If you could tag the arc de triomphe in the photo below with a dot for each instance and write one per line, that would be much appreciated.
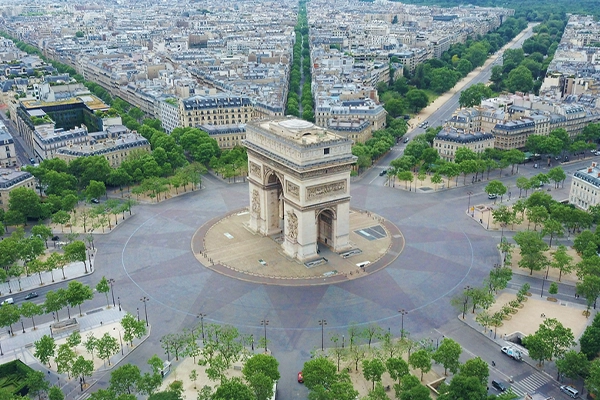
(299, 183)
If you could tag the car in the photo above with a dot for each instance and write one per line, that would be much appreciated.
(55, 238)
(500, 386)
(300, 377)
(9, 300)
(566, 158)
(406, 140)
(95, 201)
(570, 390)
(383, 172)
(31, 295)
(492, 196)
(32, 160)
(536, 165)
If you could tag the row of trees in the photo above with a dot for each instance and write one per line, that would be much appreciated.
(524, 69)
(21, 255)
(73, 296)
(300, 92)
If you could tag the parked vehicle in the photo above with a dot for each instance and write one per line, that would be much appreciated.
(9, 300)
(500, 386)
(31, 295)
(512, 353)
(570, 390)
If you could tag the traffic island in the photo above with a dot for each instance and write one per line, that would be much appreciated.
(227, 246)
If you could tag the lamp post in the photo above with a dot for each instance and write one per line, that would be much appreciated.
(23, 326)
(120, 340)
(252, 340)
(467, 288)
(402, 312)
(322, 322)
(265, 322)
(543, 282)
(145, 300)
(138, 313)
(343, 341)
(201, 316)
(112, 281)
(119, 301)
(1, 351)
(488, 221)
(437, 342)
(469, 206)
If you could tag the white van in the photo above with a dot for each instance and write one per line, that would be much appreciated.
(570, 390)
(8, 301)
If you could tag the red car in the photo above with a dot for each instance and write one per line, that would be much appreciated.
(300, 377)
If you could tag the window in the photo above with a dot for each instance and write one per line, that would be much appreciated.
(326, 150)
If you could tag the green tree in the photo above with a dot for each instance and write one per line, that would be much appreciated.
(132, 328)
(44, 349)
(476, 367)
(76, 251)
(397, 368)
(104, 287)
(262, 363)
(26, 202)
(30, 310)
(233, 388)
(43, 232)
(589, 288)
(74, 339)
(464, 387)
(124, 380)
(592, 382)
(473, 95)
(65, 357)
(9, 314)
(106, 347)
(61, 218)
(78, 293)
(319, 371)
(572, 365)
(417, 99)
(54, 393)
(495, 187)
(520, 79)
(373, 370)
(420, 359)
(531, 248)
(37, 383)
(448, 354)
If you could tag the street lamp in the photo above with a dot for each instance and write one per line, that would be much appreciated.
(467, 288)
(322, 322)
(469, 206)
(112, 281)
(119, 301)
(265, 322)
(201, 316)
(402, 312)
(120, 340)
(23, 326)
(543, 281)
(145, 300)
(343, 341)
(437, 341)
(138, 313)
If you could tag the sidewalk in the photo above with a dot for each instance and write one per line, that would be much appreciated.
(32, 282)
(529, 312)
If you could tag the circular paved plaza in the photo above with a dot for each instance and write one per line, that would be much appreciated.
(151, 256)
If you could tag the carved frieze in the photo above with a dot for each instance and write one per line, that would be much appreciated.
(255, 169)
(318, 191)
(255, 202)
(292, 189)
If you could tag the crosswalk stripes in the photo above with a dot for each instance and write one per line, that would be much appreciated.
(84, 396)
(530, 384)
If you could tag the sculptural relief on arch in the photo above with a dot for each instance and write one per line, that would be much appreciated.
(299, 185)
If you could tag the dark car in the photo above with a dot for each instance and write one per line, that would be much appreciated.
(95, 201)
(55, 238)
(31, 295)
(383, 172)
(500, 386)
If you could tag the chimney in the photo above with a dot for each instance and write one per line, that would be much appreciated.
(589, 170)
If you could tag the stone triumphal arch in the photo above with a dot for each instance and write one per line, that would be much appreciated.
(299, 181)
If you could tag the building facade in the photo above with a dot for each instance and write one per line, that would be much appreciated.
(8, 156)
(10, 179)
(220, 109)
(449, 140)
(585, 187)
